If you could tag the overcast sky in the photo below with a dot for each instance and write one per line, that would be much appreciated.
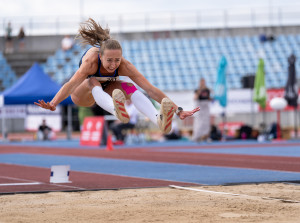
(63, 16)
(12, 8)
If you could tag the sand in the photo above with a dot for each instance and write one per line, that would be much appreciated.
(263, 203)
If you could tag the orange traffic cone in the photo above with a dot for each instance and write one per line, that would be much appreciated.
(109, 144)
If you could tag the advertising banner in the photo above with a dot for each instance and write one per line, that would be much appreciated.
(92, 130)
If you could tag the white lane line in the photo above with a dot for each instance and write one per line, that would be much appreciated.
(20, 184)
(14, 178)
(231, 194)
(206, 191)
(35, 183)
(59, 185)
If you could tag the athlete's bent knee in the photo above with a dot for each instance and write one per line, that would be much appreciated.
(83, 103)
(93, 82)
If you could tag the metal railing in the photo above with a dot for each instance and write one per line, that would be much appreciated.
(167, 21)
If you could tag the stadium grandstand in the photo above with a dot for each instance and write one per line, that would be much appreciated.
(182, 61)
(172, 55)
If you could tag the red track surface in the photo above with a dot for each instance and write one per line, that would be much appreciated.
(142, 154)
(80, 180)
(91, 181)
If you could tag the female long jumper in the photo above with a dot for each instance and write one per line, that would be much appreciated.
(97, 80)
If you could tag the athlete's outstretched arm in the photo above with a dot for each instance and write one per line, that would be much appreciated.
(128, 69)
(86, 68)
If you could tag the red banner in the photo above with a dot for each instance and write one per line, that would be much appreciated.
(273, 93)
(92, 130)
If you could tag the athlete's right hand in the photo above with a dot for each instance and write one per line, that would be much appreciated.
(45, 105)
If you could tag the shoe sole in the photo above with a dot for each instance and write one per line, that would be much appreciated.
(119, 103)
(167, 109)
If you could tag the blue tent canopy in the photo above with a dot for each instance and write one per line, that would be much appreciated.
(34, 85)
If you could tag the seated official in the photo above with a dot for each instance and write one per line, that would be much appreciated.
(215, 133)
(44, 132)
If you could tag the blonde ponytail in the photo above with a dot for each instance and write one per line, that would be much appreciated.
(93, 34)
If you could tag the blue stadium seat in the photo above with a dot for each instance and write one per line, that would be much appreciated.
(177, 64)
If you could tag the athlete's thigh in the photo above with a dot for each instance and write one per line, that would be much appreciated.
(126, 87)
(82, 96)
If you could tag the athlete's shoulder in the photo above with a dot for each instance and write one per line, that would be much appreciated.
(125, 62)
(93, 52)
(91, 56)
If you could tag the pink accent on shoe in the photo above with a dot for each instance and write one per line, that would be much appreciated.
(127, 88)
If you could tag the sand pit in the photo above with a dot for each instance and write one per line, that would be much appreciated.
(263, 203)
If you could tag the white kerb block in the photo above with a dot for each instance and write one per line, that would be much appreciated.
(60, 174)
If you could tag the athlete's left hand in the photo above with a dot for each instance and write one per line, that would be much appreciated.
(185, 114)
(45, 105)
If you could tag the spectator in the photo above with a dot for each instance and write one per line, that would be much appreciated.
(67, 43)
(21, 39)
(262, 38)
(245, 132)
(215, 133)
(119, 129)
(271, 37)
(272, 131)
(44, 132)
(201, 127)
(262, 133)
(8, 39)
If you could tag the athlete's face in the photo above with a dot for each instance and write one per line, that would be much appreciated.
(111, 59)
